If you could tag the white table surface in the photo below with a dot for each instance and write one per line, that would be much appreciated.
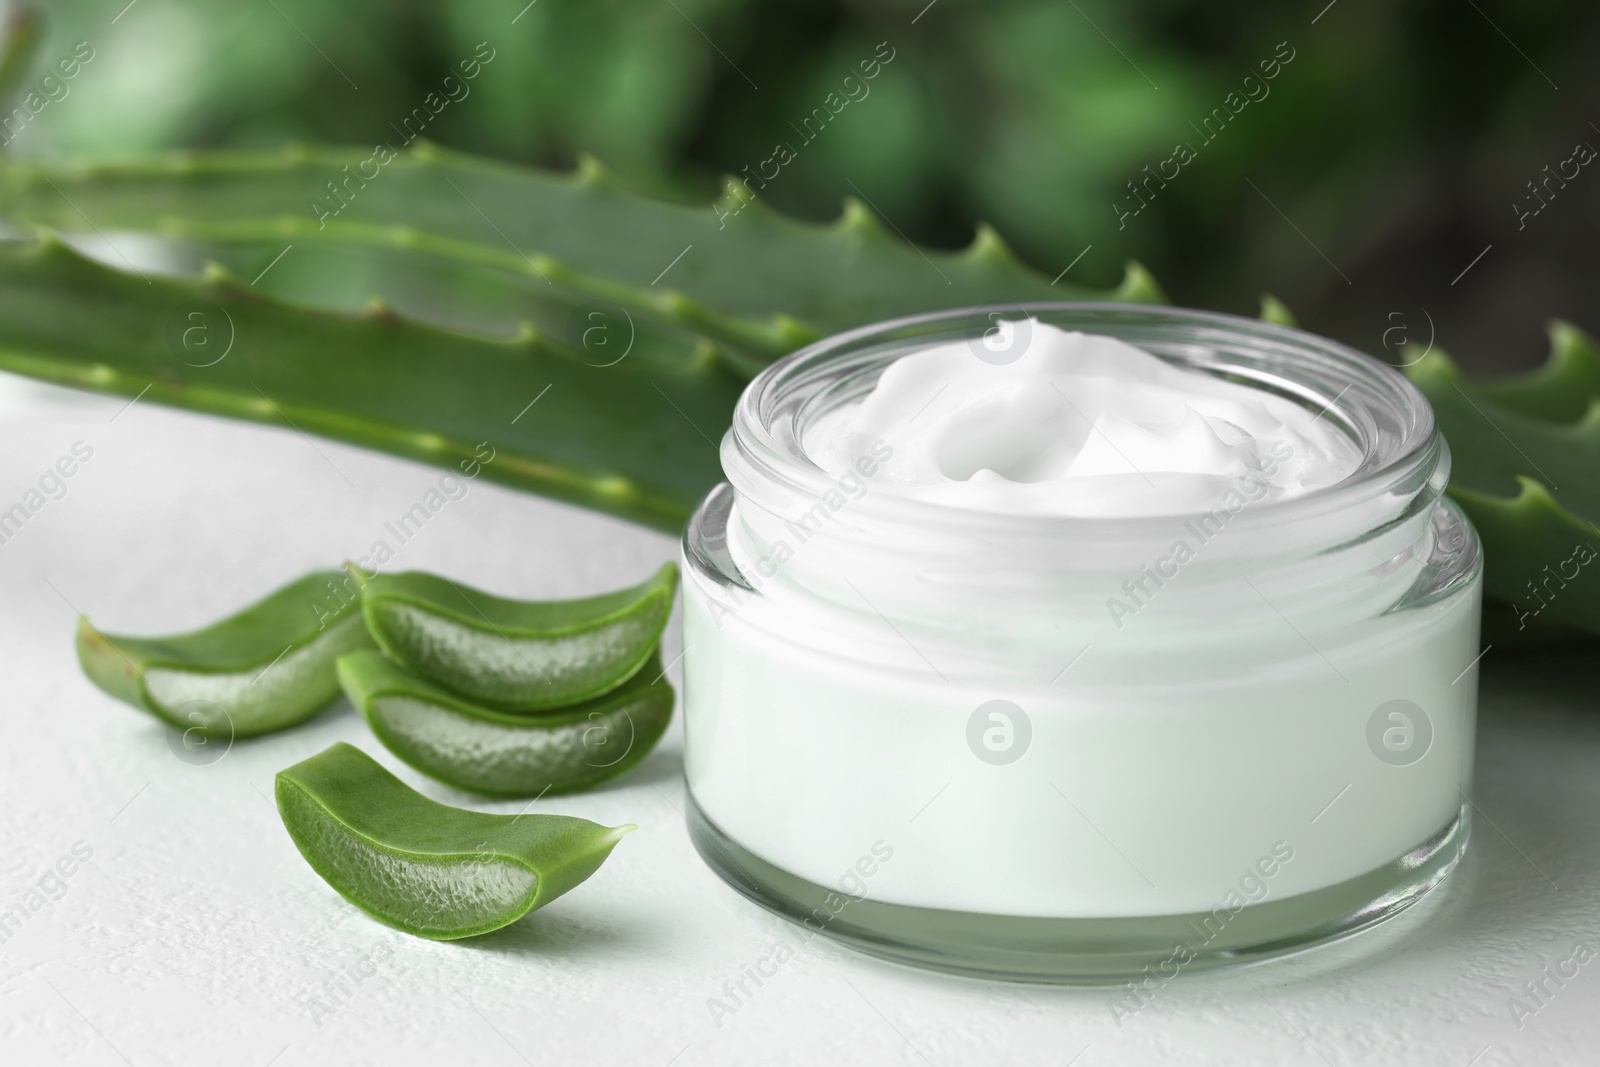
(197, 935)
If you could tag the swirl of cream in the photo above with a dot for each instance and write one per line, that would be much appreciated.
(1078, 425)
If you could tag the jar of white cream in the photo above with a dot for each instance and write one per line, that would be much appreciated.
(1076, 642)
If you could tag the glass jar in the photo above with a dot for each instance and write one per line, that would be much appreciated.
(1060, 748)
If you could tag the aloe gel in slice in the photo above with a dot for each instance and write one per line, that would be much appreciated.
(516, 655)
(424, 867)
(497, 753)
(268, 667)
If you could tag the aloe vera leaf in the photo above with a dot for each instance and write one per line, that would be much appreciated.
(633, 439)
(505, 754)
(733, 270)
(424, 867)
(269, 667)
(436, 279)
(517, 655)
(1527, 481)
(457, 295)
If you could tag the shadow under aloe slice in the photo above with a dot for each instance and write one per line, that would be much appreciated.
(266, 668)
(424, 867)
(504, 754)
(517, 655)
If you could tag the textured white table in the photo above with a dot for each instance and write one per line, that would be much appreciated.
(196, 935)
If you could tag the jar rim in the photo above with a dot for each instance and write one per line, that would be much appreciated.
(1402, 449)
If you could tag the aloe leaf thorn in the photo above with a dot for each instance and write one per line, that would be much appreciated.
(1525, 449)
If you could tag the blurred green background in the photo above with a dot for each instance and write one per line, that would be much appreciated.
(1387, 153)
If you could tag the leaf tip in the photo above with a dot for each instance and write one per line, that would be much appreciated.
(614, 487)
(706, 354)
(1588, 424)
(1533, 495)
(1138, 286)
(735, 197)
(1277, 312)
(989, 247)
(791, 332)
(377, 309)
(1433, 368)
(431, 443)
(1570, 345)
(423, 150)
(590, 171)
(547, 268)
(856, 217)
(47, 240)
(676, 305)
(219, 277)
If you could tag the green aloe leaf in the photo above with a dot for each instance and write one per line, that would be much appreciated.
(464, 297)
(519, 655)
(634, 439)
(424, 867)
(1525, 450)
(734, 270)
(497, 753)
(1563, 389)
(269, 667)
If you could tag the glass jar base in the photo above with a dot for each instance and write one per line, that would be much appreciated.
(1085, 951)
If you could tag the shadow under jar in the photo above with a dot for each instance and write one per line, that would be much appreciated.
(918, 729)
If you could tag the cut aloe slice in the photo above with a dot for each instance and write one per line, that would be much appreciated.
(266, 668)
(424, 867)
(517, 655)
(505, 754)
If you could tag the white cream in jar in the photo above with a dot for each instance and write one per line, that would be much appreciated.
(1081, 630)
(1076, 424)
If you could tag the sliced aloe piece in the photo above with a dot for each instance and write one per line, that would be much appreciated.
(517, 655)
(424, 867)
(505, 754)
(266, 668)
